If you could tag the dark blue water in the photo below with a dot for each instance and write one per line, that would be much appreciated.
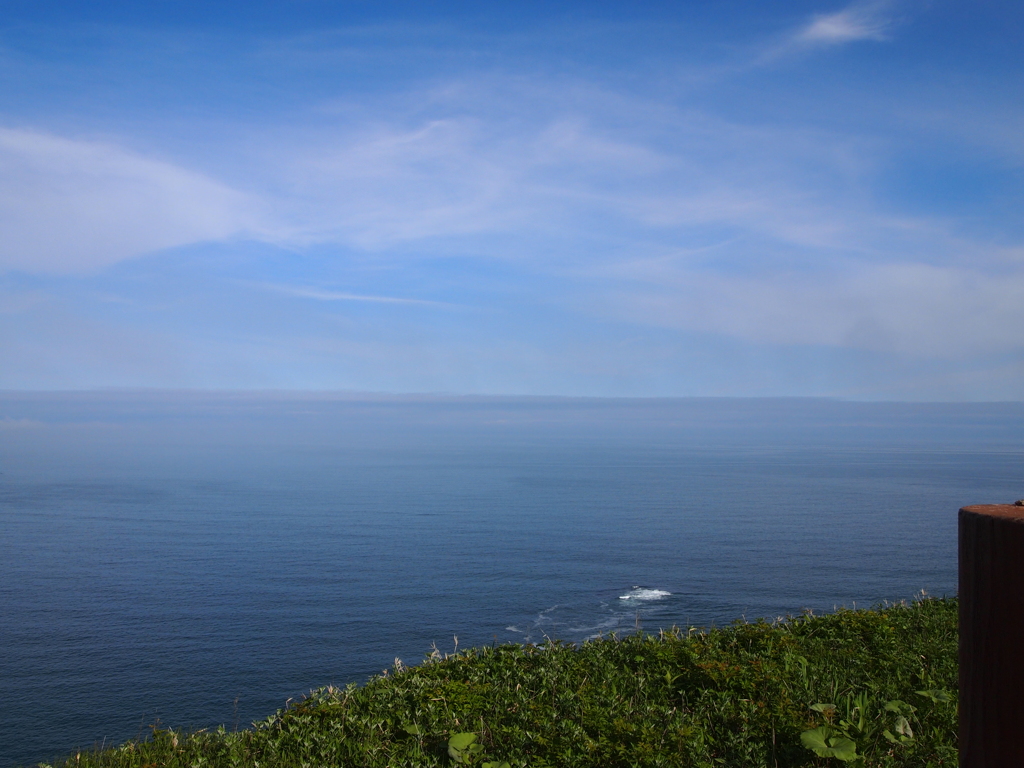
(199, 559)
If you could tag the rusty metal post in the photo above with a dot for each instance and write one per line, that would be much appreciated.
(992, 636)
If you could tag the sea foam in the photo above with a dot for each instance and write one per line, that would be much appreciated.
(644, 594)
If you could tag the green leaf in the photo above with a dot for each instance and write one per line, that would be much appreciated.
(816, 740)
(461, 740)
(844, 749)
(495, 764)
(826, 709)
(824, 743)
(903, 727)
(902, 740)
(937, 695)
(413, 730)
(461, 745)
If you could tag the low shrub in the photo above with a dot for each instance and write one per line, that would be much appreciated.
(861, 687)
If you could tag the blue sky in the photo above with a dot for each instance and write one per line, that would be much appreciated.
(639, 199)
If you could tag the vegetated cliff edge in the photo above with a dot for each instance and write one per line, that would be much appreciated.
(873, 686)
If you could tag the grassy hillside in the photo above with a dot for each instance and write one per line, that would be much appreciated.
(865, 687)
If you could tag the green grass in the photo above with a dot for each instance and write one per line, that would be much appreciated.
(737, 696)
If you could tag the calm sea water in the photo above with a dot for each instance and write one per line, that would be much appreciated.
(198, 559)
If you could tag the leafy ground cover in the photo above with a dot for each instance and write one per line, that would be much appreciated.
(862, 687)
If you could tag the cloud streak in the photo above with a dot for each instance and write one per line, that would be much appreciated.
(566, 185)
(567, 167)
(868, 20)
(74, 205)
(324, 295)
(860, 21)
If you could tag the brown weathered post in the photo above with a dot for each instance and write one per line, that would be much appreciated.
(992, 636)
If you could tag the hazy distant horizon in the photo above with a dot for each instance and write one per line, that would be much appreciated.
(341, 393)
(295, 416)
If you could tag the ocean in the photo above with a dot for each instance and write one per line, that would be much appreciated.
(197, 559)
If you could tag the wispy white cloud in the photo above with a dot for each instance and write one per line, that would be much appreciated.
(573, 164)
(387, 184)
(859, 21)
(566, 168)
(576, 180)
(70, 204)
(572, 181)
(863, 20)
(325, 295)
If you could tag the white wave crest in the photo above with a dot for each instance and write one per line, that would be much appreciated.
(644, 594)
